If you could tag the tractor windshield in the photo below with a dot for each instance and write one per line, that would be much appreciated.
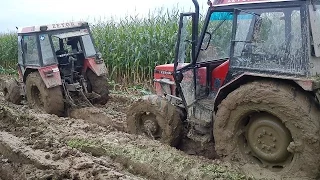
(218, 36)
(264, 39)
(74, 41)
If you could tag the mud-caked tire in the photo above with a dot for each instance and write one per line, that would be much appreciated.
(11, 91)
(41, 97)
(156, 118)
(271, 129)
(99, 85)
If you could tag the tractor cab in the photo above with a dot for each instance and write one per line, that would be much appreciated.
(61, 56)
(55, 44)
(241, 41)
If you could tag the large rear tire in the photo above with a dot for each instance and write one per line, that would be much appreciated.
(99, 85)
(11, 91)
(39, 96)
(156, 118)
(269, 127)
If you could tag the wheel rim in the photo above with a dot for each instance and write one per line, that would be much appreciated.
(149, 125)
(36, 96)
(264, 139)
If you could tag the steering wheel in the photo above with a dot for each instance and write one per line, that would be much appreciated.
(70, 54)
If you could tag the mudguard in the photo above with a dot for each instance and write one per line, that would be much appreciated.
(306, 84)
(50, 76)
(99, 69)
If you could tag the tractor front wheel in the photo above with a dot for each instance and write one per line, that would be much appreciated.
(156, 118)
(39, 96)
(99, 85)
(269, 127)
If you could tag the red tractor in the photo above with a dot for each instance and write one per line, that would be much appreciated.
(249, 82)
(59, 67)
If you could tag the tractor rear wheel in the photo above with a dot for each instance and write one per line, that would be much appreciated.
(39, 96)
(156, 118)
(99, 85)
(11, 91)
(269, 127)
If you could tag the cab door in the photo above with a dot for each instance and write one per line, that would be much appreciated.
(184, 69)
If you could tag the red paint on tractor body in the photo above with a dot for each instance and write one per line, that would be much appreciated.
(50, 75)
(99, 69)
(166, 72)
(219, 74)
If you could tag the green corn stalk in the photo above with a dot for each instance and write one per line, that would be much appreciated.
(131, 46)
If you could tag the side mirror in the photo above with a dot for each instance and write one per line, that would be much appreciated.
(206, 41)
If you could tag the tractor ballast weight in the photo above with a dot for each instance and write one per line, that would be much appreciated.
(250, 84)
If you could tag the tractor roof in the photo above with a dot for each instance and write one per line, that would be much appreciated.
(52, 27)
(232, 2)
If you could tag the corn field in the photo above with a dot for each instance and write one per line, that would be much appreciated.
(131, 47)
(8, 52)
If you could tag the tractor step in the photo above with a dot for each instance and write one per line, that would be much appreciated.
(202, 112)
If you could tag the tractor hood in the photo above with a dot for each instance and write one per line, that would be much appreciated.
(164, 69)
(167, 69)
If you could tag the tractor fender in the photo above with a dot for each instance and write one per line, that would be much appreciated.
(99, 69)
(305, 84)
(49, 74)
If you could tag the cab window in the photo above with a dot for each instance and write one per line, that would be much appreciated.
(20, 60)
(315, 24)
(46, 50)
(88, 45)
(31, 50)
(216, 43)
(269, 41)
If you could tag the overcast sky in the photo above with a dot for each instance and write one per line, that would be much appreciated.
(22, 13)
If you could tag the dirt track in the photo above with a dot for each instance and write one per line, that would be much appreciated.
(35, 145)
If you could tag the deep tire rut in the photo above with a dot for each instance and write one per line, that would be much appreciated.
(68, 148)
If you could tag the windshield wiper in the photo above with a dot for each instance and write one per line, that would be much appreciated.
(220, 24)
(248, 12)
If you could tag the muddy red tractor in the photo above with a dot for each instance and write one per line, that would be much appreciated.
(59, 67)
(249, 82)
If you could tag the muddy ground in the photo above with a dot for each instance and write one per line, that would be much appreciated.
(93, 144)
